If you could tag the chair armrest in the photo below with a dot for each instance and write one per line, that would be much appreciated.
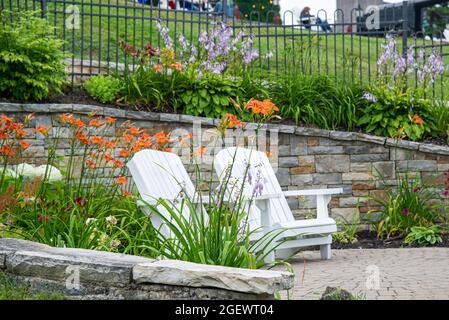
(315, 192)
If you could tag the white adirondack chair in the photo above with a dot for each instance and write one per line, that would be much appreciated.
(274, 212)
(161, 175)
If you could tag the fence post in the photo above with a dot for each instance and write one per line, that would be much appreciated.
(43, 8)
(405, 28)
(225, 10)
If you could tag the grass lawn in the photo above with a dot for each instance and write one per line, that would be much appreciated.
(11, 291)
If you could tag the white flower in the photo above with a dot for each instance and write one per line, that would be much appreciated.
(111, 220)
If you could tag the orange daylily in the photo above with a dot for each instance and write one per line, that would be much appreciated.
(121, 180)
(90, 163)
(124, 153)
(25, 145)
(110, 120)
(96, 123)
(161, 137)
(416, 119)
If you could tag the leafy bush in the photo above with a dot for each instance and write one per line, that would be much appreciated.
(317, 100)
(412, 204)
(424, 236)
(396, 105)
(103, 89)
(31, 59)
(389, 113)
(208, 96)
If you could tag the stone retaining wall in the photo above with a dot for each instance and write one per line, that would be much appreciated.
(305, 158)
(88, 274)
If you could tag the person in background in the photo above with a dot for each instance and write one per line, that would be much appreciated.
(305, 18)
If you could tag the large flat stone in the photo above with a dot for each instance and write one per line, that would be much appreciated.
(58, 263)
(332, 163)
(9, 244)
(174, 272)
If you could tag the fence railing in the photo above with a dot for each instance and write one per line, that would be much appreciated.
(344, 48)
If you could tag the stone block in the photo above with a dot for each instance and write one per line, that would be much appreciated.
(384, 169)
(302, 180)
(417, 165)
(288, 162)
(345, 214)
(361, 167)
(363, 185)
(181, 273)
(325, 150)
(327, 178)
(332, 163)
(302, 170)
(357, 176)
(370, 157)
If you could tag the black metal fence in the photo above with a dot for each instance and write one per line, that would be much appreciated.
(343, 47)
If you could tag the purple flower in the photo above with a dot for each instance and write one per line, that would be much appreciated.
(163, 30)
(405, 211)
(258, 188)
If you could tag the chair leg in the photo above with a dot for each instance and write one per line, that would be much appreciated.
(325, 251)
(284, 254)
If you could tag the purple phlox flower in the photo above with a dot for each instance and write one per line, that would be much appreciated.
(388, 52)
(237, 39)
(250, 56)
(370, 97)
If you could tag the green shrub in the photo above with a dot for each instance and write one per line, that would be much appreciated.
(347, 231)
(424, 236)
(208, 96)
(103, 89)
(31, 59)
(390, 113)
(411, 204)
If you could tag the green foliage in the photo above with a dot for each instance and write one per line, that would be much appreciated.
(440, 113)
(424, 236)
(347, 231)
(208, 96)
(12, 290)
(317, 100)
(103, 89)
(412, 204)
(31, 59)
(394, 115)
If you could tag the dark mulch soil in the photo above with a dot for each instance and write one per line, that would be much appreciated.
(368, 240)
(79, 95)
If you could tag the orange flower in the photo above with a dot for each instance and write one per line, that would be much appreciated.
(97, 140)
(90, 163)
(66, 118)
(133, 131)
(110, 120)
(416, 119)
(79, 123)
(157, 67)
(96, 123)
(124, 153)
(161, 137)
(6, 119)
(126, 193)
(168, 150)
(190, 135)
(201, 150)
(265, 107)
(121, 180)
(269, 154)
(128, 137)
(42, 130)
(177, 66)
(232, 121)
(7, 151)
(108, 157)
(110, 144)
(20, 133)
(24, 145)
(82, 138)
(118, 163)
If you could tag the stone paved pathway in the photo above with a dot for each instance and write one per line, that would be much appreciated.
(402, 273)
